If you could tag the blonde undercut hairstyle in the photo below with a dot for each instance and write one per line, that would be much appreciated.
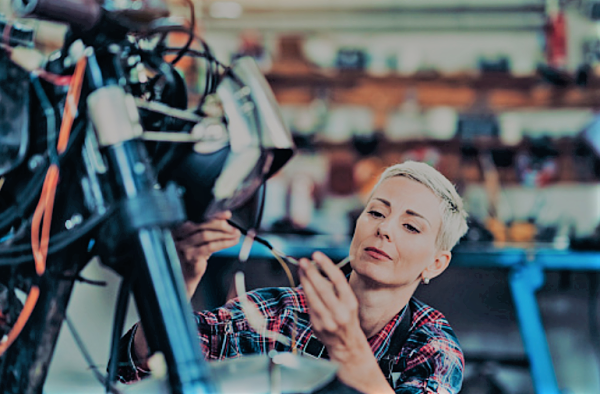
(454, 215)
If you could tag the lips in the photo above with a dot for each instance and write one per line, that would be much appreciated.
(377, 253)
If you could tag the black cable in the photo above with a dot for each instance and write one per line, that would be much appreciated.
(261, 207)
(29, 196)
(195, 53)
(166, 158)
(118, 324)
(187, 45)
(212, 79)
(164, 68)
(217, 75)
(20, 210)
(258, 239)
(593, 323)
(81, 279)
(167, 71)
(212, 73)
(51, 137)
(160, 45)
(208, 81)
(25, 247)
(278, 254)
(57, 243)
(88, 358)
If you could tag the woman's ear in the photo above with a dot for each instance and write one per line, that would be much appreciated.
(439, 265)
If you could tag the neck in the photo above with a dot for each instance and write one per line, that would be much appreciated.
(378, 305)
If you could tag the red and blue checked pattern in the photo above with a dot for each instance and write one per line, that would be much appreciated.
(431, 360)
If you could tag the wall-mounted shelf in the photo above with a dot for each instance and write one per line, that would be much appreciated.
(574, 164)
(383, 94)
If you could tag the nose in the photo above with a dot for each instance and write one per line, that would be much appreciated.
(383, 230)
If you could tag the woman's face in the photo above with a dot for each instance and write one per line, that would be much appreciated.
(394, 240)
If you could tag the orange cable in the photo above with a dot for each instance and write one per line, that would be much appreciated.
(48, 190)
(43, 212)
(71, 103)
(53, 173)
(30, 302)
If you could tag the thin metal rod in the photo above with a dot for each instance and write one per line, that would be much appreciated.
(88, 357)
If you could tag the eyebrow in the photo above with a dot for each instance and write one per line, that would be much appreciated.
(385, 202)
(413, 213)
(408, 211)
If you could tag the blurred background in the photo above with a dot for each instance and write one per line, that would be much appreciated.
(501, 96)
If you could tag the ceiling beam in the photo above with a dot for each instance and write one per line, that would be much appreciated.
(380, 21)
(425, 10)
(359, 5)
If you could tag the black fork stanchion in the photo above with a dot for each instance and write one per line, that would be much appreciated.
(140, 233)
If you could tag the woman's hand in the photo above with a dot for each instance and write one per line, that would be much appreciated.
(334, 317)
(333, 305)
(197, 242)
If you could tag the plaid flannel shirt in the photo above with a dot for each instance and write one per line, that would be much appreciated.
(431, 360)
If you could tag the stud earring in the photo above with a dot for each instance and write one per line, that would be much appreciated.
(425, 280)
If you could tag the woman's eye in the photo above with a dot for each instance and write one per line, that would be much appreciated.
(376, 214)
(411, 228)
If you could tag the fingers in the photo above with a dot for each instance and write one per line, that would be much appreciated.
(329, 282)
(321, 318)
(219, 225)
(192, 232)
(203, 245)
(188, 229)
(216, 246)
(184, 229)
(335, 275)
(332, 311)
(194, 259)
(324, 289)
(204, 236)
(225, 215)
(197, 242)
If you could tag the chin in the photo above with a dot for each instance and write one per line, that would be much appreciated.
(376, 273)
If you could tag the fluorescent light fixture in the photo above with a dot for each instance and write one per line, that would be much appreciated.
(225, 10)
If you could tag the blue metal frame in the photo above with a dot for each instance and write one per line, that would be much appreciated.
(524, 281)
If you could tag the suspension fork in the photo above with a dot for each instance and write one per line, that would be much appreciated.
(141, 230)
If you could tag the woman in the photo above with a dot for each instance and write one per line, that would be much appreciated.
(383, 339)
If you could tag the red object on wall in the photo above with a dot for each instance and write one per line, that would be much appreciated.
(556, 40)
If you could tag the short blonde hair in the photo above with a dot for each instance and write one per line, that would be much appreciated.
(454, 215)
